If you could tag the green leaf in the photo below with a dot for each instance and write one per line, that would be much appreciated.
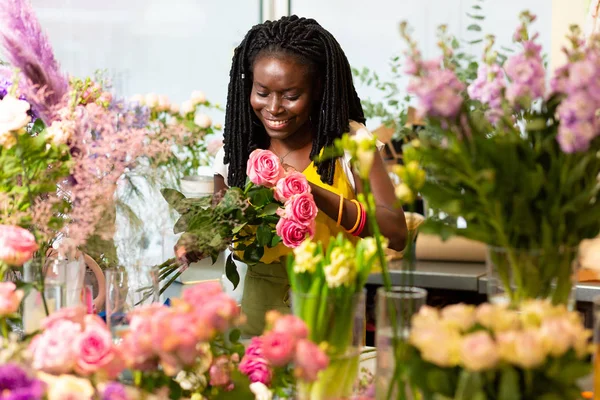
(231, 271)
(234, 335)
(509, 385)
(275, 241)
(439, 381)
(573, 371)
(474, 28)
(260, 196)
(263, 235)
(254, 253)
(270, 209)
(172, 196)
(469, 386)
(37, 127)
(238, 228)
(241, 391)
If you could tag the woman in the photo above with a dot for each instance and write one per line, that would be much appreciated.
(291, 92)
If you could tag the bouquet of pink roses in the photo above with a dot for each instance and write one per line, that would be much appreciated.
(275, 208)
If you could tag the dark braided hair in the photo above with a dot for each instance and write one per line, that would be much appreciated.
(312, 45)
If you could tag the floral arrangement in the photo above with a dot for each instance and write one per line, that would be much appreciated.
(493, 352)
(327, 293)
(505, 125)
(189, 349)
(283, 354)
(276, 208)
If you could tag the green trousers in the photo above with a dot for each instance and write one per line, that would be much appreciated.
(266, 287)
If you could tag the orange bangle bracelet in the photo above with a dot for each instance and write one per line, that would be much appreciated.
(355, 227)
(341, 208)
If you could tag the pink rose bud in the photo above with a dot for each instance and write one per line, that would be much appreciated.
(17, 245)
(310, 359)
(292, 324)
(278, 348)
(292, 233)
(264, 168)
(10, 298)
(293, 183)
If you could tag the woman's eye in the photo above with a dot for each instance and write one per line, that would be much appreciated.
(292, 98)
(262, 94)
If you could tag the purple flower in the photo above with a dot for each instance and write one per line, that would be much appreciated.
(527, 74)
(438, 91)
(488, 88)
(114, 391)
(575, 137)
(15, 384)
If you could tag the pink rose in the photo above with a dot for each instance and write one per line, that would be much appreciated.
(137, 344)
(300, 208)
(254, 349)
(278, 348)
(257, 369)
(218, 313)
(73, 314)
(202, 293)
(96, 352)
(220, 372)
(293, 183)
(264, 168)
(292, 324)
(17, 245)
(53, 351)
(292, 233)
(309, 359)
(10, 298)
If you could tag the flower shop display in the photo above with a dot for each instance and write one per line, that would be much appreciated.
(516, 160)
(282, 355)
(494, 352)
(327, 294)
(276, 208)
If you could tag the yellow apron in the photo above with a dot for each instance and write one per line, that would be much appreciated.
(266, 286)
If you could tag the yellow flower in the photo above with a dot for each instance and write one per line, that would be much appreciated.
(305, 259)
(404, 194)
(342, 269)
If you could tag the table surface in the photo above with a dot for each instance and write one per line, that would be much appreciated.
(468, 276)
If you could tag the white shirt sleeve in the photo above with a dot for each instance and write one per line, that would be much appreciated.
(219, 167)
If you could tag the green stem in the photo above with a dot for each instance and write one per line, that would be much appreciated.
(4, 327)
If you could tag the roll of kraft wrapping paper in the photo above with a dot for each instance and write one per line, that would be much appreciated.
(433, 248)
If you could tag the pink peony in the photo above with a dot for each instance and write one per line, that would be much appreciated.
(310, 359)
(95, 350)
(292, 324)
(137, 344)
(10, 298)
(300, 208)
(292, 233)
(200, 294)
(53, 351)
(255, 347)
(278, 348)
(17, 245)
(293, 183)
(73, 314)
(264, 168)
(257, 369)
(219, 313)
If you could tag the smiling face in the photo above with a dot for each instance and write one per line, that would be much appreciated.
(283, 95)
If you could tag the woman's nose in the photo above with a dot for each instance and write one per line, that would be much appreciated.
(274, 105)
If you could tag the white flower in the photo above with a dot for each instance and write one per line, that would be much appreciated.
(187, 107)
(524, 349)
(163, 102)
(59, 133)
(151, 100)
(460, 316)
(137, 98)
(304, 258)
(261, 391)
(197, 97)
(203, 121)
(589, 253)
(174, 108)
(342, 270)
(67, 387)
(13, 114)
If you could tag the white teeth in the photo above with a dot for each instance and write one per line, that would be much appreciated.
(276, 124)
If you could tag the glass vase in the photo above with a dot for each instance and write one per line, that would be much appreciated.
(339, 321)
(515, 275)
(126, 289)
(394, 310)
